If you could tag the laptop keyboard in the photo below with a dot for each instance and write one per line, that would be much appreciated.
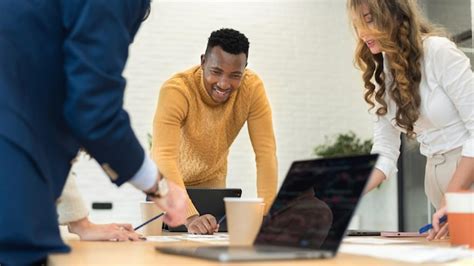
(226, 253)
(257, 249)
(267, 249)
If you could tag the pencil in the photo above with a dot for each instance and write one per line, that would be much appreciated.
(149, 221)
(221, 219)
(427, 227)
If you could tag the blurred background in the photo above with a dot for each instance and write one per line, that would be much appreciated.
(303, 51)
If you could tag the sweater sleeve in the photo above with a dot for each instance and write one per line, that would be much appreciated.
(170, 114)
(260, 129)
(70, 205)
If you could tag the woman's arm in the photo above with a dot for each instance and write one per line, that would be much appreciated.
(89, 231)
(375, 179)
(463, 177)
(73, 212)
(387, 146)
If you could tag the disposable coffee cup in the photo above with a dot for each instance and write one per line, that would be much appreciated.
(460, 208)
(244, 218)
(149, 210)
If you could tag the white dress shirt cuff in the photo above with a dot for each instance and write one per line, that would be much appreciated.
(146, 176)
(387, 166)
(468, 148)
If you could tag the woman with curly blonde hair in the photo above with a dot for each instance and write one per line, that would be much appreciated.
(418, 83)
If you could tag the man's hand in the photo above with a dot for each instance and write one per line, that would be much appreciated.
(203, 225)
(174, 204)
(99, 232)
(438, 231)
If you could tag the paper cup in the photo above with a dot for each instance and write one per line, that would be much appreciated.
(150, 210)
(460, 208)
(244, 218)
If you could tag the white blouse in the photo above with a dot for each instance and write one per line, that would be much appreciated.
(70, 205)
(446, 119)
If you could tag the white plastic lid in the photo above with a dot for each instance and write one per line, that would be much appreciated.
(460, 202)
(234, 199)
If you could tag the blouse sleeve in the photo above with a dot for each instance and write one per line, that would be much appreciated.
(70, 205)
(453, 72)
(387, 145)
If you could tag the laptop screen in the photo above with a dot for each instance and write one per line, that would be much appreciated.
(316, 202)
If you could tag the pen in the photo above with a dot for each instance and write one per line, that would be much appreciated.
(221, 219)
(149, 221)
(427, 227)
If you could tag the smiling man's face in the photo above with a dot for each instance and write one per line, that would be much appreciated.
(222, 73)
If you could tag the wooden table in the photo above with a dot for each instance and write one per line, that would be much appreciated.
(143, 253)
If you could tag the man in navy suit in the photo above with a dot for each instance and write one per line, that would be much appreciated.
(61, 88)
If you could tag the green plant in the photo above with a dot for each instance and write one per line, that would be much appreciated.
(343, 144)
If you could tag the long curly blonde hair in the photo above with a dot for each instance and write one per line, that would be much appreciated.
(399, 28)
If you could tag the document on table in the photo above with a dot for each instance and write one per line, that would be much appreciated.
(162, 239)
(375, 240)
(217, 238)
(409, 253)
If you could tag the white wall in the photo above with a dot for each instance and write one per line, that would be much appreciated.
(303, 51)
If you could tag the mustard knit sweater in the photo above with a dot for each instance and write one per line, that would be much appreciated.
(192, 134)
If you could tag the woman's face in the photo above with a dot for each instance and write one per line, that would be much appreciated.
(364, 32)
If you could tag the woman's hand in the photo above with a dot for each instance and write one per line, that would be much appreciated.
(439, 231)
(103, 232)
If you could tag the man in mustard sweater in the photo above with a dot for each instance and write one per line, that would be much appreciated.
(199, 114)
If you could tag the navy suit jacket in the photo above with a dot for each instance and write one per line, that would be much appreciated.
(61, 83)
(61, 88)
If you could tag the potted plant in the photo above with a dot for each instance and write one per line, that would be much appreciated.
(343, 144)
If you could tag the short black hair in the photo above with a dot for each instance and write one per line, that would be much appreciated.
(230, 40)
(147, 11)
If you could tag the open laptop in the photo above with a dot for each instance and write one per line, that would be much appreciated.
(209, 201)
(309, 216)
(362, 233)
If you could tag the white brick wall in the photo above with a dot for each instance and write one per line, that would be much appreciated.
(303, 51)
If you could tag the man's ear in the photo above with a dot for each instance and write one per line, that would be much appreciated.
(203, 60)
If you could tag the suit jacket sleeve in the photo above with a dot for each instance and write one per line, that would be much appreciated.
(97, 36)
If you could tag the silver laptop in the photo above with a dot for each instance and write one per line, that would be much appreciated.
(309, 216)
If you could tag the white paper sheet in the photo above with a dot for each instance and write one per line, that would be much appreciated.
(215, 239)
(409, 253)
(162, 239)
(375, 240)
